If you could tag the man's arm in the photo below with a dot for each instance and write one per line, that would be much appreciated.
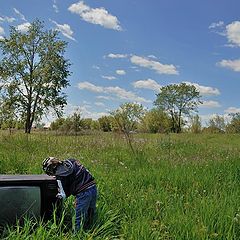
(61, 194)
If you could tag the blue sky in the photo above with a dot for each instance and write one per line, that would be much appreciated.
(126, 50)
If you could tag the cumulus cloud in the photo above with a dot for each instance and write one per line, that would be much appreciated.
(232, 110)
(7, 19)
(20, 14)
(103, 97)
(205, 90)
(84, 110)
(23, 27)
(233, 33)
(147, 84)
(99, 104)
(154, 65)
(231, 64)
(112, 55)
(91, 87)
(109, 77)
(120, 72)
(210, 104)
(98, 16)
(116, 91)
(65, 29)
(216, 25)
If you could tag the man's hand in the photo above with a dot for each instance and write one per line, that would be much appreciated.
(61, 196)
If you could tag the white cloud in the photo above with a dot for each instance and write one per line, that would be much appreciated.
(55, 7)
(205, 90)
(152, 56)
(84, 111)
(232, 110)
(109, 77)
(216, 25)
(112, 55)
(154, 65)
(147, 84)
(99, 104)
(116, 91)
(20, 14)
(124, 94)
(233, 33)
(210, 104)
(23, 27)
(98, 16)
(231, 64)
(120, 72)
(104, 97)
(7, 19)
(65, 29)
(91, 87)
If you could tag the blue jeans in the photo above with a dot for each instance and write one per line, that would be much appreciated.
(85, 207)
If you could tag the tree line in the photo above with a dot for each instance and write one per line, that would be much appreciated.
(34, 72)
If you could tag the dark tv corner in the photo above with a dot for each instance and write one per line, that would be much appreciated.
(31, 195)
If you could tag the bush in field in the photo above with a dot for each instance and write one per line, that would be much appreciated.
(155, 121)
(126, 118)
(95, 125)
(86, 123)
(72, 123)
(195, 124)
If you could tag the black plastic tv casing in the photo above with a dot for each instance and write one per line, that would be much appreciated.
(48, 188)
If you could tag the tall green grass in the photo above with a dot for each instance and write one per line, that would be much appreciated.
(175, 187)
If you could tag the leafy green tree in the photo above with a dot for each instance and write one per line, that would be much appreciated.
(155, 121)
(8, 118)
(75, 122)
(195, 124)
(234, 125)
(105, 123)
(34, 70)
(55, 125)
(216, 124)
(86, 123)
(178, 100)
(127, 118)
(95, 125)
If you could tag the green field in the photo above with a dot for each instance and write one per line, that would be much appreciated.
(175, 186)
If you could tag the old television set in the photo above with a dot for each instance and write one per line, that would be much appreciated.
(24, 196)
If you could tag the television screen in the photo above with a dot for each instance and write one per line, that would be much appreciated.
(26, 195)
(18, 202)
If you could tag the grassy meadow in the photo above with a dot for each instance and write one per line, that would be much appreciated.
(174, 187)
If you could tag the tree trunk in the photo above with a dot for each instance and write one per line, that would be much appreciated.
(173, 128)
(179, 122)
(28, 124)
